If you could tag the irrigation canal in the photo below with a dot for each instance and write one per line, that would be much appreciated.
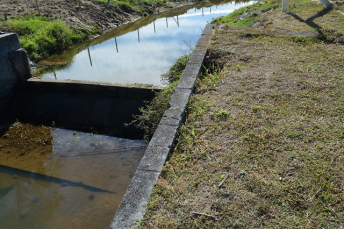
(80, 181)
(139, 52)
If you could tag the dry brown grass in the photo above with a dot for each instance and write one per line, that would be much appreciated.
(272, 130)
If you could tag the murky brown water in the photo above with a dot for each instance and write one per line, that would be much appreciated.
(77, 182)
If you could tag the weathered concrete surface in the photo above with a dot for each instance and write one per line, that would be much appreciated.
(82, 105)
(92, 88)
(134, 202)
(14, 67)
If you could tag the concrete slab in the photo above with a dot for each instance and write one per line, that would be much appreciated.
(190, 74)
(197, 56)
(180, 97)
(164, 136)
(133, 91)
(135, 200)
(174, 116)
(208, 29)
(154, 158)
(203, 41)
(9, 42)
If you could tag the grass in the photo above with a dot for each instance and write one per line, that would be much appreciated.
(301, 16)
(246, 16)
(144, 7)
(270, 132)
(151, 114)
(42, 37)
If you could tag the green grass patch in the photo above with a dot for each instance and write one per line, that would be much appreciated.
(246, 16)
(42, 37)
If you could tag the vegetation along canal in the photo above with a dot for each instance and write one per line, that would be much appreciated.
(138, 52)
(78, 181)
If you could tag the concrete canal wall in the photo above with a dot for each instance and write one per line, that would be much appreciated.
(14, 68)
(134, 202)
(98, 105)
(86, 106)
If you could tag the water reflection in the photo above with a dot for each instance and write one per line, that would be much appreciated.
(144, 53)
(79, 184)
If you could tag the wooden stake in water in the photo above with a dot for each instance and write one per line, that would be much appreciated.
(55, 74)
(166, 23)
(39, 13)
(154, 26)
(89, 55)
(284, 6)
(138, 36)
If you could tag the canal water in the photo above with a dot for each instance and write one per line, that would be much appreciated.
(142, 54)
(80, 180)
(78, 184)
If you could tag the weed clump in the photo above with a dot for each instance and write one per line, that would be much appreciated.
(152, 112)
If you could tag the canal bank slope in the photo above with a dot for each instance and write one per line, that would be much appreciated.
(262, 145)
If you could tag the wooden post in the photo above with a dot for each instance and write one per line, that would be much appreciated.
(55, 74)
(39, 12)
(178, 20)
(166, 23)
(284, 6)
(154, 26)
(202, 12)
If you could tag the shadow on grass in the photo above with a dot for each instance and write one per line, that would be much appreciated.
(310, 21)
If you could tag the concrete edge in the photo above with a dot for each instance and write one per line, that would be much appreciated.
(134, 91)
(134, 203)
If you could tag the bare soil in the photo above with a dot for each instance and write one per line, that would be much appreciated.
(89, 14)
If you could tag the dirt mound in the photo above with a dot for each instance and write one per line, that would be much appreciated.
(85, 15)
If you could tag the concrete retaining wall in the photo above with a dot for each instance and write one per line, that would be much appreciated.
(14, 68)
(134, 202)
(70, 104)
(82, 105)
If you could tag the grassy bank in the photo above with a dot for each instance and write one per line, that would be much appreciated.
(42, 37)
(262, 145)
(151, 114)
(143, 7)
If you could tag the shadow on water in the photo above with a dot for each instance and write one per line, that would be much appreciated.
(55, 180)
(77, 182)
